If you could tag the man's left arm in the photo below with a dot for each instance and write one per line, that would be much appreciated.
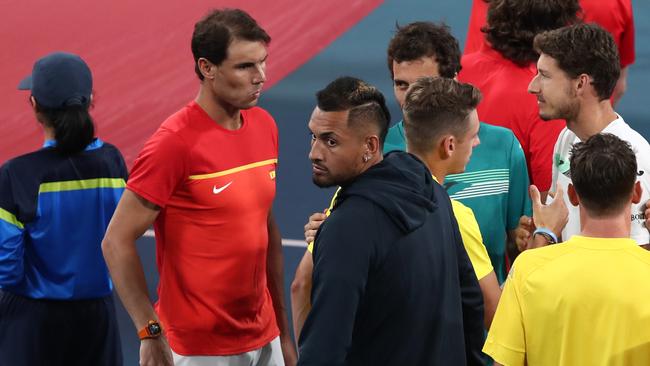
(275, 282)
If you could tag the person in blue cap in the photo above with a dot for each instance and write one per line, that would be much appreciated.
(56, 304)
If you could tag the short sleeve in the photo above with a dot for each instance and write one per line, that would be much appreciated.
(506, 342)
(160, 168)
(472, 240)
(518, 199)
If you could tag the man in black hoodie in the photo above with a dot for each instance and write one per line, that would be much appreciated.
(392, 283)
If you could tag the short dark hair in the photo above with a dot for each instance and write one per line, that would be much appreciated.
(512, 24)
(366, 104)
(603, 172)
(216, 31)
(584, 49)
(420, 39)
(434, 106)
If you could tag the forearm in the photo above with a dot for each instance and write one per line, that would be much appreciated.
(132, 217)
(301, 293)
(275, 276)
(491, 293)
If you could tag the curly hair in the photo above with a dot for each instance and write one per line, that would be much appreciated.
(584, 49)
(420, 39)
(512, 24)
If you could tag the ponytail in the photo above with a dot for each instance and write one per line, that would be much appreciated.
(73, 127)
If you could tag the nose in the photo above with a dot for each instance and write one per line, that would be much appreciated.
(260, 76)
(477, 142)
(533, 87)
(315, 152)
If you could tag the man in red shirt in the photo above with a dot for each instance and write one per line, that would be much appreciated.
(206, 181)
(613, 15)
(503, 70)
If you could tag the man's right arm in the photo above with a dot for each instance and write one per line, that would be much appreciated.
(132, 217)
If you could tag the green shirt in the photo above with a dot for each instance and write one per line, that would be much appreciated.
(494, 185)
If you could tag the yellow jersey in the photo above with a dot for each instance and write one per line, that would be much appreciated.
(582, 302)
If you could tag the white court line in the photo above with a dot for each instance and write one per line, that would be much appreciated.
(285, 242)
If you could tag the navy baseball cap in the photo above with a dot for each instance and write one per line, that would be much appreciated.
(58, 80)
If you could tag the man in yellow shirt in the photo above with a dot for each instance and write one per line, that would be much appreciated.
(441, 127)
(581, 302)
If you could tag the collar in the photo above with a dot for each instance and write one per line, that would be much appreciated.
(95, 144)
(601, 243)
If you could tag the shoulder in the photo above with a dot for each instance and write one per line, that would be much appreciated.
(565, 139)
(347, 226)
(28, 163)
(530, 262)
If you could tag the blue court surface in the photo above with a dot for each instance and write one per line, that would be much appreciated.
(361, 52)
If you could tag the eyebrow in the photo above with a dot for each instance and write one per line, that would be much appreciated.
(247, 63)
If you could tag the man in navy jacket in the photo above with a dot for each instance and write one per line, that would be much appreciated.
(392, 283)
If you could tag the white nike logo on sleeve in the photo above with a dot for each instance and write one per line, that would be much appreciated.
(216, 190)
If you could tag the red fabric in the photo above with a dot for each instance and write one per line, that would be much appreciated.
(211, 234)
(139, 52)
(613, 15)
(507, 103)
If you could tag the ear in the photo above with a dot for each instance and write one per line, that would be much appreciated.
(582, 84)
(637, 192)
(206, 67)
(372, 144)
(573, 195)
(447, 146)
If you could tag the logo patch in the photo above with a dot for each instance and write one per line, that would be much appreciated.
(216, 190)
(272, 174)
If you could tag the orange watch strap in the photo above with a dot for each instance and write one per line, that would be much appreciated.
(144, 333)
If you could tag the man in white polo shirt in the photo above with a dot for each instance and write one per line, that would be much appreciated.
(576, 72)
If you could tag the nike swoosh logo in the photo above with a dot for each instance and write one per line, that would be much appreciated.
(216, 190)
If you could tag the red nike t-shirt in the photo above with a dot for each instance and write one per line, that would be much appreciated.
(613, 15)
(215, 187)
(507, 103)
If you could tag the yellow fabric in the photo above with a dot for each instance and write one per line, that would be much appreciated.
(583, 302)
(310, 246)
(472, 239)
(73, 185)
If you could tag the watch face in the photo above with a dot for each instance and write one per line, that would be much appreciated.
(154, 329)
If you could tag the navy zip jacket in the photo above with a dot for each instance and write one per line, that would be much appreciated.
(392, 283)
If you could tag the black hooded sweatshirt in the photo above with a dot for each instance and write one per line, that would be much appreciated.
(392, 283)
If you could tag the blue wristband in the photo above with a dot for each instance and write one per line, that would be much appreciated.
(546, 233)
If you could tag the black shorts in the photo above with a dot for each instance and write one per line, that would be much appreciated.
(52, 332)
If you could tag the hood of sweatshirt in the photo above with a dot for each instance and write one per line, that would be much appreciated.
(401, 185)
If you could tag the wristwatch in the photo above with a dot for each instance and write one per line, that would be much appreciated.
(151, 330)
